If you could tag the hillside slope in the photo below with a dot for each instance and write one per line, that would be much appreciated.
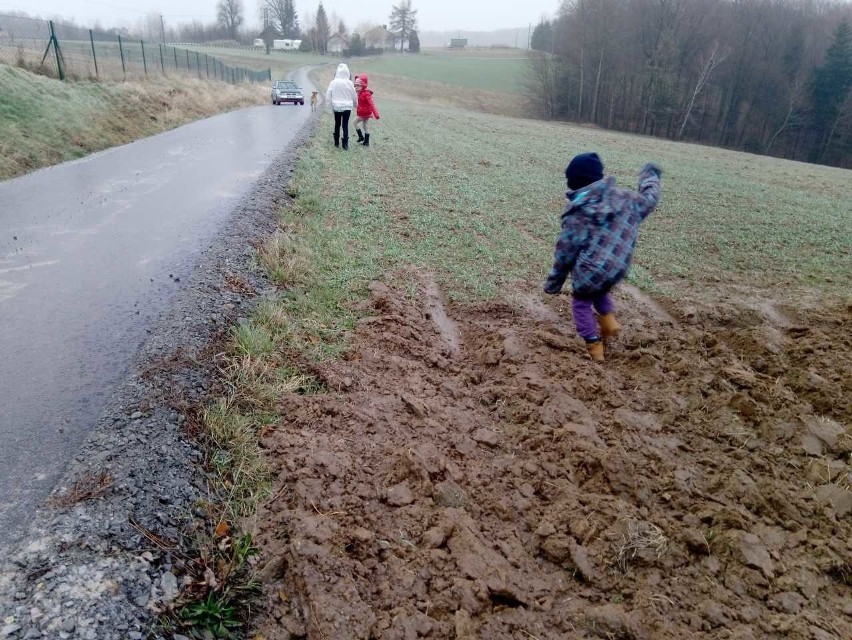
(45, 121)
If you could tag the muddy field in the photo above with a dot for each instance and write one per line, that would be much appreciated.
(471, 474)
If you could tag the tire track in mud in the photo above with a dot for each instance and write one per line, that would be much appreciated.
(695, 486)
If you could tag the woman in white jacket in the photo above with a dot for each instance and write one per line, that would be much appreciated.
(343, 99)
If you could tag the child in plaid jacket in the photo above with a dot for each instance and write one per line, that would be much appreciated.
(600, 225)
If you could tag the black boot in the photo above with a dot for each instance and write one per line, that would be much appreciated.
(345, 144)
(336, 139)
(360, 135)
(367, 140)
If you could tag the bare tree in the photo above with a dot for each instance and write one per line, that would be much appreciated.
(709, 64)
(543, 82)
(797, 93)
(229, 13)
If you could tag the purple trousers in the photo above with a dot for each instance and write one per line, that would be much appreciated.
(584, 314)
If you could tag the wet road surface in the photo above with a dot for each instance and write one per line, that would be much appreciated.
(86, 253)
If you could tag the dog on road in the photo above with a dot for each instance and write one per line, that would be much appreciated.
(314, 101)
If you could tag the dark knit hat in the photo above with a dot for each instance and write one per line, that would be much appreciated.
(583, 170)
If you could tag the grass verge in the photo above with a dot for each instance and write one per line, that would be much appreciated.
(44, 121)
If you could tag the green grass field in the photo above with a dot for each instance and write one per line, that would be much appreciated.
(479, 206)
(484, 70)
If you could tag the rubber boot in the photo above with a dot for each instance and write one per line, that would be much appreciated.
(336, 139)
(367, 140)
(345, 144)
(360, 135)
(596, 350)
(609, 326)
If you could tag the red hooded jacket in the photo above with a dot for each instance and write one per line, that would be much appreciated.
(366, 107)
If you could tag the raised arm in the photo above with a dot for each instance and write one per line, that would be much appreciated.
(649, 189)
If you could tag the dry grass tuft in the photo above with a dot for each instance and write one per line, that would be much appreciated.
(287, 261)
(87, 487)
(239, 285)
(639, 538)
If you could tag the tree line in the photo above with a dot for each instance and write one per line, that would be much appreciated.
(283, 17)
(766, 76)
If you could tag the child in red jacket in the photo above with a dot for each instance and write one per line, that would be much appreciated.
(366, 109)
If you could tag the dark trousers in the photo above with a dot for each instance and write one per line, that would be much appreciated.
(584, 314)
(341, 118)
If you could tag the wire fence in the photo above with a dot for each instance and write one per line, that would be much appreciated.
(68, 51)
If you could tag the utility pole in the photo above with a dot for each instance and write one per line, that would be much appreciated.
(529, 36)
(163, 27)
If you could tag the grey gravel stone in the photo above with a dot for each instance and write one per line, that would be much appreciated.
(169, 585)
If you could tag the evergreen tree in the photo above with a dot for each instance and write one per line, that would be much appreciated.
(542, 37)
(290, 21)
(414, 42)
(403, 20)
(323, 30)
(830, 88)
(356, 45)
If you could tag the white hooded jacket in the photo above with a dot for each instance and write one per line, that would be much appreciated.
(341, 93)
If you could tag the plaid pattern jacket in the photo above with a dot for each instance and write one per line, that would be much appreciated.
(600, 225)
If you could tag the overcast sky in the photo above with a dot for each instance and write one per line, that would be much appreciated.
(480, 15)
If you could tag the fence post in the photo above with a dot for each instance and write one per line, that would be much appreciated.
(187, 60)
(94, 55)
(269, 71)
(162, 62)
(207, 64)
(121, 51)
(174, 50)
(55, 42)
(198, 63)
(144, 61)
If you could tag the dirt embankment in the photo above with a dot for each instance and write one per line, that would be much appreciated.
(470, 474)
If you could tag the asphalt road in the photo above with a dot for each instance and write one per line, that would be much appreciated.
(86, 253)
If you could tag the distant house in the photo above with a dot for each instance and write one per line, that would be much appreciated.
(337, 43)
(379, 38)
(458, 43)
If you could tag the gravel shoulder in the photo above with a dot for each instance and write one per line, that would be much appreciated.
(101, 568)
